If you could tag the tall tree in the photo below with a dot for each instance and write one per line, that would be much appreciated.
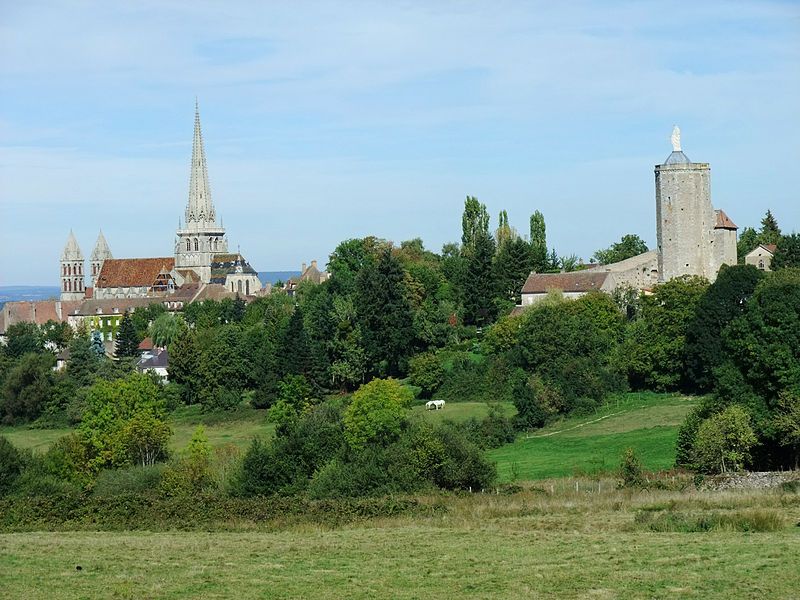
(770, 232)
(512, 265)
(184, 365)
(384, 314)
(748, 240)
(479, 285)
(127, 340)
(504, 232)
(83, 361)
(23, 338)
(474, 224)
(538, 242)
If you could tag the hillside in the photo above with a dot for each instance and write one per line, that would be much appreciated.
(593, 444)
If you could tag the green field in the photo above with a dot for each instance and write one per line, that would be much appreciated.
(593, 444)
(563, 544)
(461, 411)
(238, 428)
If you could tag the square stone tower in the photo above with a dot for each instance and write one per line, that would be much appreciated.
(693, 238)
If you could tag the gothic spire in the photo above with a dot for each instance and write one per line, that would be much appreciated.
(71, 249)
(200, 208)
(101, 250)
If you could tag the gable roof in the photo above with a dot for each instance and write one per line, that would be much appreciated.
(577, 281)
(132, 272)
(724, 221)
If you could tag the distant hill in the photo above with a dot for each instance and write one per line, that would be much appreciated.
(10, 293)
(273, 276)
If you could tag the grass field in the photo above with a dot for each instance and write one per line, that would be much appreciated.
(593, 444)
(461, 411)
(564, 544)
(237, 427)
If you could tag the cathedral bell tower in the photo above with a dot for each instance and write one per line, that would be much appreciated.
(100, 253)
(200, 237)
(72, 276)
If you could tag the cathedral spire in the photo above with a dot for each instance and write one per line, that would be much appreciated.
(200, 209)
(72, 251)
(101, 250)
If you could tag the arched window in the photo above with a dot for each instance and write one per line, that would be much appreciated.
(196, 244)
(69, 285)
(247, 287)
(188, 244)
(761, 263)
(239, 286)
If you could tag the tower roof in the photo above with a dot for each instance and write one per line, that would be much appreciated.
(72, 251)
(101, 250)
(200, 208)
(677, 158)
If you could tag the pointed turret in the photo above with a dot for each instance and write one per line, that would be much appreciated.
(72, 251)
(100, 253)
(199, 209)
(72, 279)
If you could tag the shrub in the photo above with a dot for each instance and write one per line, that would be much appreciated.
(376, 412)
(131, 480)
(724, 440)
(470, 381)
(11, 465)
(630, 469)
(675, 521)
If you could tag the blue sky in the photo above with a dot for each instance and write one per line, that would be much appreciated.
(330, 120)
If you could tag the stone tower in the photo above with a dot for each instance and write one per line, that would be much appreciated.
(72, 276)
(693, 238)
(200, 237)
(100, 253)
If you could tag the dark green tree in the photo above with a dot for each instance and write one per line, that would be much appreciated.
(748, 240)
(27, 388)
(787, 255)
(724, 300)
(479, 285)
(384, 314)
(770, 233)
(184, 365)
(127, 344)
(83, 361)
(538, 234)
(512, 265)
(630, 245)
(23, 338)
(57, 333)
(474, 225)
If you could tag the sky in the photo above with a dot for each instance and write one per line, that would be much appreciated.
(325, 121)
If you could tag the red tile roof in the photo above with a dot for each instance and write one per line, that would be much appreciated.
(577, 281)
(770, 248)
(132, 272)
(724, 221)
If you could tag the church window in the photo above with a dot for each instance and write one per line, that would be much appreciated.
(761, 264)
(188, 244)
(239, 286)
(247, 287)
(196, 244)
(69, 285)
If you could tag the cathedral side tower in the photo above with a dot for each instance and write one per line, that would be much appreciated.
(100, 253)
(200, 237)
(72, 276)
(685, 218)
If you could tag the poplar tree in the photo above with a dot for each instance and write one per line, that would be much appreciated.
(538, 242)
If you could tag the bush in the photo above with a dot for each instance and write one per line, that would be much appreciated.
(11, 465)
(675, 521)
(492, 431)
(132, 480)
(470, 381)
(630, 469)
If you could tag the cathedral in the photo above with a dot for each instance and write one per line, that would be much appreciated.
(201, 257)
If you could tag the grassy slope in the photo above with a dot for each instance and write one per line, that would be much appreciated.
(593, 444)
(532, 545)
(237, 428)
(460, 411)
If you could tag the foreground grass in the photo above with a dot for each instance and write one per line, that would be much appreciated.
(536, 544)
(593, 444)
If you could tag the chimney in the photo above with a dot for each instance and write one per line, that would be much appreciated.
(302, 268)
(314, 264)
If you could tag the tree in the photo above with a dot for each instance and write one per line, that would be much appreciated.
(479, 285)
(127, 344)
(11, 465)
(770, 233)
(748, 240)
(384, 314)
(474, 225)
(538, 233)
(27, 388)
(653, 352)
(629, 246)
(165, 329)
(56, 334)
(724, 300)
(184, 365)
(724, 440)
(376, 413)
(106, 431)
(83, 361)
(295, 397)
(504, 232)
(426, 372)
(512, 265)
(23, 338)
(97, 344)
(787, 255)
(145, 438)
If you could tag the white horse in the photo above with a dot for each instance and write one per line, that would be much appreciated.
(434, 405)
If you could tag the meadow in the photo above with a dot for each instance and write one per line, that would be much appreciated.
(544, 542)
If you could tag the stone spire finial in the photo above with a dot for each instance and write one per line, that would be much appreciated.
(101, 250)
(72, 251)
(200, 209)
